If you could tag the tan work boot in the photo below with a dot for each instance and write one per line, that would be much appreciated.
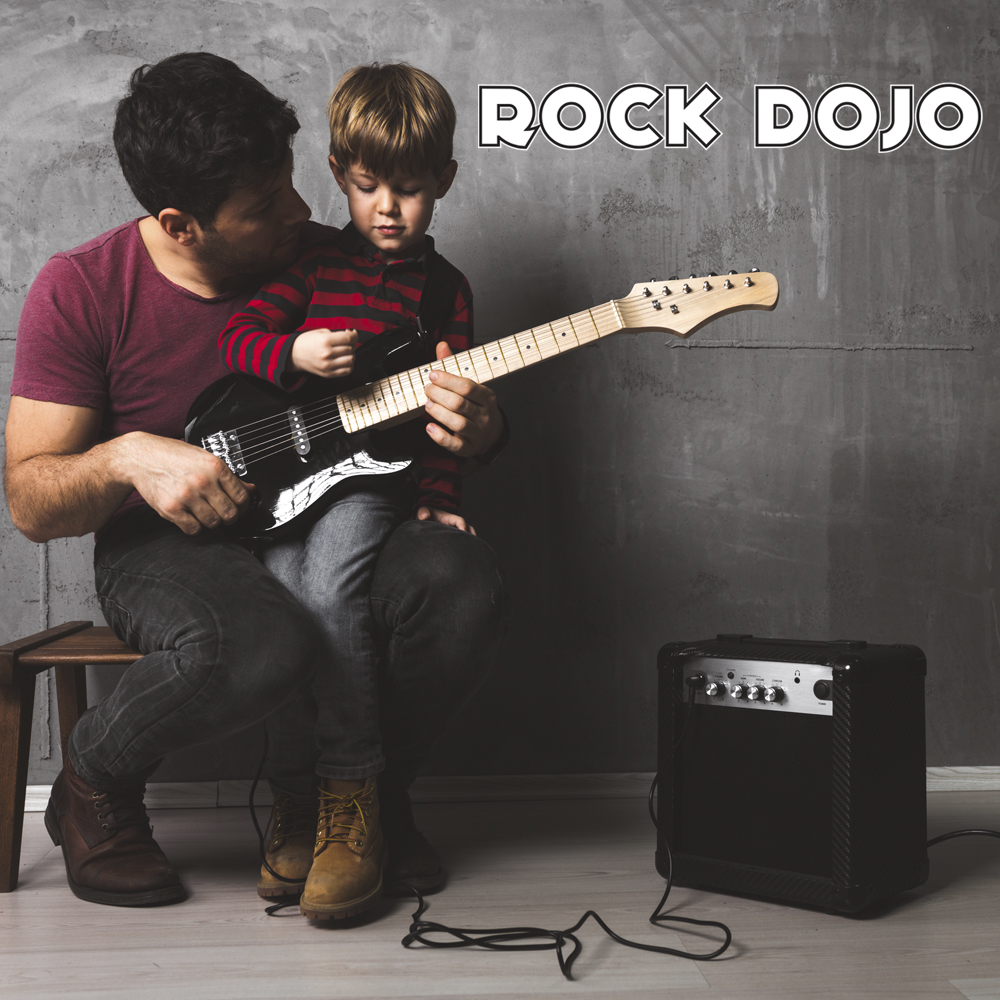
(346, 873)
(290, 849)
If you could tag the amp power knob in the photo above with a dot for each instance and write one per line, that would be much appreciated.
(738, 691)
(773, 694)
(755, 693)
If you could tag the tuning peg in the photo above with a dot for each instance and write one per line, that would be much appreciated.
(692, 276)
(706, 287)
(713, 274)
(646, 292)
(673, 277)
(755, 270)
(734, 272)
(685, 287)
(727, 283)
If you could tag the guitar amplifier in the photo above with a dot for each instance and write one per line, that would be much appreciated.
(800, 774)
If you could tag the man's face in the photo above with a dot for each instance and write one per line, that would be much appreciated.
(393, 213)
(257, 228)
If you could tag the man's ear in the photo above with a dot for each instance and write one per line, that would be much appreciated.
(445, 178)
(338, 173)
(179, 226)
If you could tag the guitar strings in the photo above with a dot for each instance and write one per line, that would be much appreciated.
(259, 445)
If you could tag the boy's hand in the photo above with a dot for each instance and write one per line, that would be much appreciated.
(327, 353)
(466, 418)
(445, 517)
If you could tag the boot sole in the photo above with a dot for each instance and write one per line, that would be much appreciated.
(338, 911)
(151, 897)
(268, 889)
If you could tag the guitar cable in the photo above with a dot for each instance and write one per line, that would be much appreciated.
(516, 938)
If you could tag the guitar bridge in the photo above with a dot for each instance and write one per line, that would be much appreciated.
(226, 445)
(299, 436)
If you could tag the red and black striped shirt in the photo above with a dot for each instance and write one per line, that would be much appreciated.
(342, 283)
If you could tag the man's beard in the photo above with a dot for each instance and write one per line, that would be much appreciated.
(231, 260)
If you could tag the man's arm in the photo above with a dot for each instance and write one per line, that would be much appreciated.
(60, 482)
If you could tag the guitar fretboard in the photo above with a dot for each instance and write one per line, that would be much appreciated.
(402, 395)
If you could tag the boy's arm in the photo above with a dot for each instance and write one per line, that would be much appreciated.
(259, 339)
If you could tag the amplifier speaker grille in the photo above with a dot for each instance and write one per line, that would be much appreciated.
(821, 809)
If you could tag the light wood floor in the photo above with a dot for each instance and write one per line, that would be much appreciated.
(538, 863)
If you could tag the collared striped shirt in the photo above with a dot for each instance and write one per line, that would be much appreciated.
(342, 283)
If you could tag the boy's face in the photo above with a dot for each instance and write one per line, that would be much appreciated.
(393, 213)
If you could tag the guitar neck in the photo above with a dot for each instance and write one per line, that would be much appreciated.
(400, 397)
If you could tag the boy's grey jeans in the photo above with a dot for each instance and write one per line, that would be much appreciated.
(226, 644)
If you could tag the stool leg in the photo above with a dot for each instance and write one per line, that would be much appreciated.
(16, 704)
(71, 698)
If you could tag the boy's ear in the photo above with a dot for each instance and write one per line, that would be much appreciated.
(338, 173)
(445, 178)
(179, 226)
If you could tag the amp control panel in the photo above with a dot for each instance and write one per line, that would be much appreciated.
(763, 686)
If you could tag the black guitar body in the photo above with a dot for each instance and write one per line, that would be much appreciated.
(290, 445)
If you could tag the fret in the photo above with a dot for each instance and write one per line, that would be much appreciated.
(466, 368)
(342, 408)
(585, 327)
(399, 395)
(495, 359)
(451, 364)
(379, 393)
(482, 362)
(528, 348)
(546, 341)
(511, 355)
(606, 322)
(562, 333)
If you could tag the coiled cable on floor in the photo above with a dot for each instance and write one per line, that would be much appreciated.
(516, 938)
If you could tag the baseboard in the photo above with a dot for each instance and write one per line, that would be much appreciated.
(487, 788)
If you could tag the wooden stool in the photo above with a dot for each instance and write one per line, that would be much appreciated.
(68, 648)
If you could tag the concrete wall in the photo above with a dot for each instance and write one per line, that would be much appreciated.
(652, 492)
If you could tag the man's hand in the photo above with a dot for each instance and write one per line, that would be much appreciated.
(445, 517)
(183, 483)
(61, 482)
(466, 418)
(327, 353)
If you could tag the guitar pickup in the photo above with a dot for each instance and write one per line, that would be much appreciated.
(299, 436)
(226, 445)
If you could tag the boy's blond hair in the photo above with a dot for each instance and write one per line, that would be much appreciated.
(389, 118)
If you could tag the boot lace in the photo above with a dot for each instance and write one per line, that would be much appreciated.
(291, 818)
(342, 816)
(122, 808)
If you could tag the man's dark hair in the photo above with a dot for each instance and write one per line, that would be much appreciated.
(195, 127)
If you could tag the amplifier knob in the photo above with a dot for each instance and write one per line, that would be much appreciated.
(713, 690)
(738, 691)
(755, 693)
(773, 694)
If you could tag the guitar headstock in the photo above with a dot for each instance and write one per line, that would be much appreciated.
(681, 306)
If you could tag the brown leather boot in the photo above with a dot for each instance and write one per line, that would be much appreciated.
(411, 858)
(346, 873)
(108, 845)
(290, 850)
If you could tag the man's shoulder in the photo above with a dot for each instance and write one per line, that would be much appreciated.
(115, 243)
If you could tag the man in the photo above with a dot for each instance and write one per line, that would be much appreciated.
(116, 339)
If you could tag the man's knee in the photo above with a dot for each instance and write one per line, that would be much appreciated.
(431, 570)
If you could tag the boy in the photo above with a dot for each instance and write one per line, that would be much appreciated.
(390, 151)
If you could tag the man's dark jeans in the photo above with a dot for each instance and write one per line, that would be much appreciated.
(226, 644)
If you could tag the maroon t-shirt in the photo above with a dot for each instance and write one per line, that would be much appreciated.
(102, 328)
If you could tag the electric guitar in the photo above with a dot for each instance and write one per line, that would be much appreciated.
(296, 447)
